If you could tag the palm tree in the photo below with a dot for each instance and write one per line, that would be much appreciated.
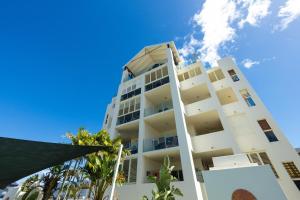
(99, 167)
(165, 191)
(29, 184)
(51, 179)
(47, 183)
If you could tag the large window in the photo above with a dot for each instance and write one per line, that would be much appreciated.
(129, 111)
(156, 78)
(133, 169)
(189, 74)
(216, 75)
(233, 75)
(126, 169)
(291, 169)
(129, 168)
(267, 130)
(155, 75)
(297, 183)
(247, 97)
(261, 158)
(129, 92)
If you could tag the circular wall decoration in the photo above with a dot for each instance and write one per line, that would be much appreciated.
(242, 194)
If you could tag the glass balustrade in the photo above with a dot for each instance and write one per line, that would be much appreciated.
(131, 146)
(160, 143)
(158, 108)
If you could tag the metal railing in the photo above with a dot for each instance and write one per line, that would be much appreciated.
(160, 143)
(132, 147)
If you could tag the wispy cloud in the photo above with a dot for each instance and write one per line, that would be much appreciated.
(289, 12)
(219, 21)
(248, 63)
(256, 10)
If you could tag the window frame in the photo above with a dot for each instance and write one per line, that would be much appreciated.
(267, 129)
(291, 169)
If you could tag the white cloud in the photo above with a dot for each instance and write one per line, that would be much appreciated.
(215, 19)
(218, 21)
(189, 48)
(257, 10)
(288, 13)
(248, 63)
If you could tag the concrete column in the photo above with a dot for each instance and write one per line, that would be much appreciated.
(140, 165)
(187, 162)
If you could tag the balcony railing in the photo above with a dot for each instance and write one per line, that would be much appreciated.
(160, 143)
(159, 108)
(131, 146)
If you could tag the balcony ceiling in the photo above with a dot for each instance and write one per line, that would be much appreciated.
(149, 56)
(159, 95)
(163, 121)
(214, 153)
(159, 155)
(194, 94)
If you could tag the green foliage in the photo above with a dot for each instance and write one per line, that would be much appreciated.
(51, 179)
(29, 182)
(29, 185)
(95, 174)
(33, 195)
(165, 191)
(99, 167)
(47, 183)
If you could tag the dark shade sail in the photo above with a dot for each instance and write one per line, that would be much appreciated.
(20, 158)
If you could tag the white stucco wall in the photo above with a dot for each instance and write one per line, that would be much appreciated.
(260, 181)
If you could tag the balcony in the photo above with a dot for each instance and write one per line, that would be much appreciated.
(204, 124)
(204, 161)
(175, 173)
(192, 82)
(153, 162)
(212, 141)
(131, 146)
(233, 109)
(199, 107)
(226, 96)
(158, 108)
(221, 84)
(160, 143)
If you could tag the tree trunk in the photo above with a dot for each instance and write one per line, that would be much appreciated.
(101, 187)
(47, 193)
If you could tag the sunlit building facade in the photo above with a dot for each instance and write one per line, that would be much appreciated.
(218, 134)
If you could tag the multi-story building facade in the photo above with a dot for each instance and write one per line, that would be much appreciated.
(210, 122)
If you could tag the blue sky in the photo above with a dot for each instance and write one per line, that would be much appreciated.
(60, 61)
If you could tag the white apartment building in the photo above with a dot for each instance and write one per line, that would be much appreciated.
(220, 137)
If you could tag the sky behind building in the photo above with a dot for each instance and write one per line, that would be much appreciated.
(61, 61)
